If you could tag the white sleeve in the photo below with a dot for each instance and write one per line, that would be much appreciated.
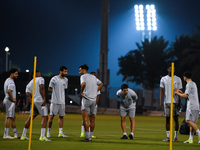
(162, 85)
(82, 79)
(52, 82)
(11, 86)
(98, 82)
(41, 81)
(66, 85)
(118, 93)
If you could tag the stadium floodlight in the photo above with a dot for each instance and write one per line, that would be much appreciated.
(145, 19)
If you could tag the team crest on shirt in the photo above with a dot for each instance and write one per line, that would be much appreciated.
(174, 82)
(63, 84)
(129, 99)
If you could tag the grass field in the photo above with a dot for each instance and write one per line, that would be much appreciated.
(149, 133)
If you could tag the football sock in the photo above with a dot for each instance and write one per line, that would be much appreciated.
(43, 132)
(125, 133)
(60, 130)
(48, 130)
(191, 135)
(168, 133)
(24, 132)
(82, 129)
(132, 133)
(198, 132)
(89, 128)
(176, 134)
(91, 133)
(6, 131)
(87, 135)
(15, 131)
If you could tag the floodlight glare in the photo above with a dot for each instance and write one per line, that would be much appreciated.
(147, 6)
(142, 28)
(140, 6)
(152, 6)
(138, 28)
(154, 28)
(136, 6)
(149, 28)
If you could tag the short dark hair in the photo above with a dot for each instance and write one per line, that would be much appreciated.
(13, 70)
(93, 72)
(62, 68)
(124, 86)
(84, 67)
(187, 74)
(36, 72)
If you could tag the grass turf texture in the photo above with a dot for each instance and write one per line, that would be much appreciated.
(149, 133)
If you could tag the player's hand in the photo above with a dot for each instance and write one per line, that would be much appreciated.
(81, 94)
(14, 99)
(161, 105)
(44, 103)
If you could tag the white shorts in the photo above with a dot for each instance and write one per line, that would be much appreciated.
(57, 109)
(127, 111)
(88, 106)
(38, 109)
(9, 108)
(192, 115)
(167, 109)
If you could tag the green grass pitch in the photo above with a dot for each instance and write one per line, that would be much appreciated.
(149, 133)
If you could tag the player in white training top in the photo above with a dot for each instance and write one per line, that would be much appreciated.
(9, 103)
(57, 87)
(165, 89)
(89, 90)
(97, 99)
(192, 112)
(40, 106)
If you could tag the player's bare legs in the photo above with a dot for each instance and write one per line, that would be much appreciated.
(7, 122)
(60, 121)
(13, 125)
(123, 124)
(85, 116)
(132, 120)
(50, 121)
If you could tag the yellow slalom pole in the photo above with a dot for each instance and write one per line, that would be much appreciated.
(32, 104)
(171, 111)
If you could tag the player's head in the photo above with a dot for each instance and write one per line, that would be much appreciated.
(13, 73)
(63, 71)
(38, 74)
(169, 69)
(83, 69)
(94, 73)
(187, 75)
(124, 88)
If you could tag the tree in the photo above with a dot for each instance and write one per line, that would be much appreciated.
(146, 64)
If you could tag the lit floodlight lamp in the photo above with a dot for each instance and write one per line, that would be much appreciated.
(152, 6)
(142, 28)
(153, 15)
(138, 28)
(154, 28)
(7, 49)
(147, 6)
(137, 15)
(27, 70)
(136, 6)
(140, 6)
(149, 28)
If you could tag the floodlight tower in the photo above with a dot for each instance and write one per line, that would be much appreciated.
(145, 20)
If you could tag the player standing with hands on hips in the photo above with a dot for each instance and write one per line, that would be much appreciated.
(127, 107)
(9, 103)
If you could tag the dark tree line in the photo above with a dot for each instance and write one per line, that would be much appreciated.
(149, 62)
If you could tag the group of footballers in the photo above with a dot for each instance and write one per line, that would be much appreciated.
(90, 90)
(192, 111)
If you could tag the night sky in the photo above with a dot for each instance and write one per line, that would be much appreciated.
(67, 32)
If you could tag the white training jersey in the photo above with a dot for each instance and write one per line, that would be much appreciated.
(128, 100)
(9, 84)
(165, 83)
(98, 83)
(192, 100)
(37, 93)
(58, 86)
(90, 91)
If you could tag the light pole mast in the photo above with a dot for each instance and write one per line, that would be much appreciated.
(103, 72)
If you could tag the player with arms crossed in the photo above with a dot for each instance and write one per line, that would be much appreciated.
(192, 111)
(57, 87)
(127, 107)
(165, 89)
(97, 99)
(40, 106)
(9, 103)
(89, 90)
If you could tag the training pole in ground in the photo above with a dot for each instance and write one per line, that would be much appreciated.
(32, 103)
(171, 111)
